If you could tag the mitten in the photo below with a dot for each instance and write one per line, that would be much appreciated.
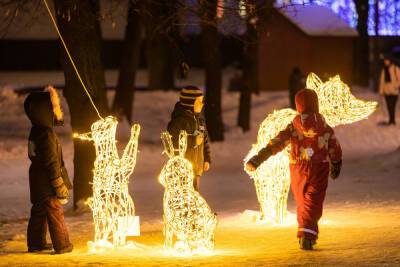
(60, 188)
(250, 166)
(62, 192)
(335, 169)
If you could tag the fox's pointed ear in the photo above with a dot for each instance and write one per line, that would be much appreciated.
(313, 81)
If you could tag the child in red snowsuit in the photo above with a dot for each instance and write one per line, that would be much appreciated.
(314, 153)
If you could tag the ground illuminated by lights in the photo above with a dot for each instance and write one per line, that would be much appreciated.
(348, 232)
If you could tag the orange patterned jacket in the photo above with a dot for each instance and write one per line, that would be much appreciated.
(311, 140)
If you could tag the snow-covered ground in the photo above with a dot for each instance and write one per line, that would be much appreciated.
(361, 222)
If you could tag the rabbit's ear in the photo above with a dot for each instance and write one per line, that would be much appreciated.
(182, 143)
(168, 145)
(313, 81)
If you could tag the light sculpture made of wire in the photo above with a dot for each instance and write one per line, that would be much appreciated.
(112, 206)
(272, 178)
(189, 223)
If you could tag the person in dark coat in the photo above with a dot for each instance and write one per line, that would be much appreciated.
(48, 177)
(186, 116)
(314, 154)
(296, 83)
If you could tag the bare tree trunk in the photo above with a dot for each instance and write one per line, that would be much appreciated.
(130, 56)
(361, 69)
(160, 55)
(376, 43)
(250, 70)
(79, 25)
(257, 14)
(212, 65)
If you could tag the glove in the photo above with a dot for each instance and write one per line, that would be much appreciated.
(335, 169)
(206, 166)
(62, 192)
(63, 201)
(199, 139)
(250, 166)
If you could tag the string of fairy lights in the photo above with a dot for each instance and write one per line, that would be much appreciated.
(272, 178)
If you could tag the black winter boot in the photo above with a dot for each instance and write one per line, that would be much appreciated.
(67, 249)
(306, 244)
(48, 246)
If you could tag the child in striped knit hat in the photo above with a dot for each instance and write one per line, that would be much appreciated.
(186, 116)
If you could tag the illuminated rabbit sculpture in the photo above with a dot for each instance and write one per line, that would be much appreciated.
(189, 223)
(272, 178)
(111, 204)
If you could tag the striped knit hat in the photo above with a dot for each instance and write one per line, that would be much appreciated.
(188, 95)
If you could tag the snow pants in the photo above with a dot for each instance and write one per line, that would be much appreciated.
(309, 181)
(47, 213)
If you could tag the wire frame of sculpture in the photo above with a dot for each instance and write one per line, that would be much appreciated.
(111, 204)
(189, 223)
(272, 178)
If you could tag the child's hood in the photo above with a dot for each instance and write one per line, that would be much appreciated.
(43, 108)
(39, 110)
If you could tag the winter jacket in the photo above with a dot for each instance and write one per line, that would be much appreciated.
(392, 87)
(311, 139)
(185, 119)
(44, 149)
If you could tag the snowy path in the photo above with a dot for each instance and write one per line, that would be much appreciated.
(362, 215)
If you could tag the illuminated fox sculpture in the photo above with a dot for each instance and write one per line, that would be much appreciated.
(111, 204)
(189, 223)
(272, 178)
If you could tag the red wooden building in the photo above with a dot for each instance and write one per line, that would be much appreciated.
(312, 38)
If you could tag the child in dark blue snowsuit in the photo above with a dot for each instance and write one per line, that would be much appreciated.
(48, 177)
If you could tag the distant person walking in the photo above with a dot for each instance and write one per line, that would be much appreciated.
(389, 87)
(296, 83)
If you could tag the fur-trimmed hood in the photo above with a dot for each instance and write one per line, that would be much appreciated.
(43, 108)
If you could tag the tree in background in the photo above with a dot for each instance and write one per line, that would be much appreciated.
(130, 56)
(361, 62)
(376, 49)
(79, 25)
(257, 13)
(159, 37)
(212, 65)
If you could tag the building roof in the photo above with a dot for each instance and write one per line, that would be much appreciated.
(317, 20)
